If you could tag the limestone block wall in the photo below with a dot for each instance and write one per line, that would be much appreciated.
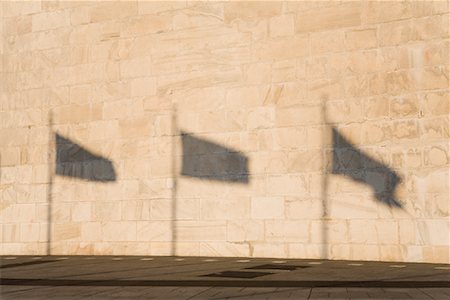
(254, 129)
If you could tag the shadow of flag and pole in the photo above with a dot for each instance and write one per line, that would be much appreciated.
(208, 160)
(73, 161)
(351, 162)
(203, 159)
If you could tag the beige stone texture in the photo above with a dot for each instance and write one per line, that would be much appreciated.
(267, 80)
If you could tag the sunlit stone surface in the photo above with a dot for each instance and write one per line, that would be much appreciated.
(324, 129)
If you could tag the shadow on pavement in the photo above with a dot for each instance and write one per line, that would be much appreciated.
(225, 283)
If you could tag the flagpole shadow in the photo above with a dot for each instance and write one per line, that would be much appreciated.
(324, 217)
(50, 184)
(205, 160)
(350, 162)
(175, 134)
(66, 158)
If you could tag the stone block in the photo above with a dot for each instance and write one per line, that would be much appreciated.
(29, 232)
(201, 231)
(91, 231)
(108, 11)
(302, 250)
(188, 249)
(250, 10)
(155, 8)
(295, 47)
(18, 25)
(337, 232)
(428, 28)
(81, 212)
(363, 232)
(124, 231)
(66, 231)
(287, 231)
(224, 249)
(258, 73)
(327, 41)
(146, 24)
(304, 161)
(245, 230)
(436, 253)
(282, 25)
(431, 78)
(344, 111)
(193, 18)
(135, 210)
(303, 208)
(10, 156)
(404, 107)
(381, 12)
(244, 97)
(376, 107)
(73, 113)
(431, 54)
(230, 208)
(299, 115)
(390, 252)
(287, 71)
(369, 252)
(273, 250)
(154, 231)
(326, 18)
(436, 156)
(135, 127)
(143, 87)
(325, 90)
(11, 233)
(106, 211)
(50, 20)
(420, 9)
(405, 130)
(436, 104)
(388, 233)
(138, 67)
(407, 232)
(267, 208)
(14, 136)
(361, 39)
(269, 163)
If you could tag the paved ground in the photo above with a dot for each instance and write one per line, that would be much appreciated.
(107, 277)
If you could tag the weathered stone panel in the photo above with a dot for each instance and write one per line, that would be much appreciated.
(318, 129)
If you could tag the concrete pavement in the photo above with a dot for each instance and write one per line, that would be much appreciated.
(140, 277)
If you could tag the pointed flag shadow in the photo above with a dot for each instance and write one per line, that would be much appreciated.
(211, 161)
(73, 160)
(352, 162)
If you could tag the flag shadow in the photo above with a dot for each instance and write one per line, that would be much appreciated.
(352, 162)
(73, 160)
(211, 161)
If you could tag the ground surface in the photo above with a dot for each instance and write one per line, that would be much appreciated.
(107, 277)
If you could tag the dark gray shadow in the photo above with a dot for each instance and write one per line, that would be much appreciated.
(238, 274)
(242, 282)
(211, 161)
(24, 264)
(72, 160)
(352, 162)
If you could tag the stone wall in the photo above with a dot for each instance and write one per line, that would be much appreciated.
(255, 129)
